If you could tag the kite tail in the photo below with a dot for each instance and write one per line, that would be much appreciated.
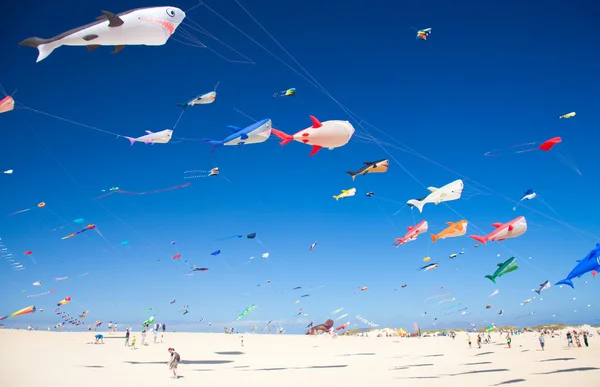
(131, 140)
(351, 174)
(566, 282)
(538, 291)
(479, 239)
(416, 203)
(213, 144)
(283, 136)
(491, 278)
(433, 238)
(336, 197)
(44, 46)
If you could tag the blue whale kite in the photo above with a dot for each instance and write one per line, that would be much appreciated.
(253, 134)
(591, 262)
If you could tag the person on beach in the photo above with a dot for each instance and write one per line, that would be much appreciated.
(542, 341)
(585, 339)
(569, 340)
(132, 345)
(479, 341)
(242, 340)
(144, 337)
(164, 327)
(127, 337)
(99, 338)
(508, 340)
(470, 344)
(155, 335)
(109, 327)
(173, 361)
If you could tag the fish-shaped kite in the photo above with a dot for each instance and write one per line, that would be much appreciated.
(453, 230)
(203, 99)
(7, 104)
(543, 286)
(162, 137)
(328, 134)
(568, 115)
(528, 195)
(503, 268)
(413, 233)
(286, 93)
(431, 266)
(423, 34)
(254, 134)
(345, 193)
(371, 167)
(89, 227)
(313, 246)
(151, 26)
(451, 191)
(591, 262)
(512, 229)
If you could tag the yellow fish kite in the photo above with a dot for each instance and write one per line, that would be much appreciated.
(346, 193)
(453, 230)
(569, 115)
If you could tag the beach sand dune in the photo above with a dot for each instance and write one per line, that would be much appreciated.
(67, 360)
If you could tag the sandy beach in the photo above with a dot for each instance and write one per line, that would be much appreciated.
(36, 358)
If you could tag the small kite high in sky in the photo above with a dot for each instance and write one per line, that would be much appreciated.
(371, 167)
(568, 115)
(345, 193)
(254, 134)
(7, 104)
(423, 34)
(89, 227)
(528, 195)
(203, 99)
(545, 146)
(151, 26)
(286, 93)
(413, 233)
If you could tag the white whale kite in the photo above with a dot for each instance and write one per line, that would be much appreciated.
(151, 26)
(447, 193)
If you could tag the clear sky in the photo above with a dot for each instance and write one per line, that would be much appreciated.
(489, 76)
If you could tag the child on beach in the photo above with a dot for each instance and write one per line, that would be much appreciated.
(542, 343)
(469, 341)
(99, 338)
(132, 345)
(508, 340)
(127, 337)
(144, 337)
(155, 335)
(174, 361)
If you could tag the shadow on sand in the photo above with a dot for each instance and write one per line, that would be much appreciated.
(512, 381)
(195, 362)
(357, 354)
(484, 353)
(580, 369)
(480, 372)
(231, 353)
(91, 366)
(437, 355)
(558, 359)
(478, 363)
(300, 368)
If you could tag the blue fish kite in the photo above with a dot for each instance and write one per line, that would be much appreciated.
(216, 252)
(253, 134)
(591, 262)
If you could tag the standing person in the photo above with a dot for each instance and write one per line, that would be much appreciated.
(144, 337)
(508, 340)
(155, 335)
(542, 341)
(115, 327)
(569, 340)
(479, 341)
(242, 341)
(110, 327)
(469, 341)
(127, 337)
(585, 339)
(164, 327)
(174, 361)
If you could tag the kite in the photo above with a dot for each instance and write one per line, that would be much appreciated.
(89, 227)
(265, 255)
(488, 306)
(7, 104)
(448, 300)
(162, 137)
(8, 172)
(568, 115)
(341, 317)
(528, 195)
(329, 134)
(65, 301)
(78, 221)
(212, 172)
(512, 229)
(195, 268)
(60, 278)
(145, 192)
(321, 328)
(431, 266)
(41, 294)
(286, 93)
(345, 193)
(495, 292)
(254, 134)
(453, 230)
(337, 311)
(245, 312)
(84, 314)
(110, 189)
(37, 283)
(203, 99)
(343, 326)
(371, 167)
(172, 302)
(124, 243)
(426, 259)
(251, 236)
(151, 26)
(451, 191)
(29, 309)
(412, 234)
(503, 268)
(363, 288)
(543, 286)
(423, 34)
(437, 296)
(591, 262)
(215, 253)
(545, 146)
(313, 246)
(39, 205)
(177, 256)
(305, 295)
(452, 256)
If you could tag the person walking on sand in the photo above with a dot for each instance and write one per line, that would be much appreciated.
(469, 336)
(109, 327)
(542, 341)
(127, 337)
(173, 362)
(155, 335)
(479, 341)
(585, 339)
(132, 345)
(144, 337)
(508, 340)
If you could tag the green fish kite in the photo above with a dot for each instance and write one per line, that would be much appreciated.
(503, 268)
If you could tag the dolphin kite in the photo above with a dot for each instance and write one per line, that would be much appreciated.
(543, 286)
(451, 191)
(590, 262)
(253, 134)
(453, 230)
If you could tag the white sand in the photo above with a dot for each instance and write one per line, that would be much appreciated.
(64, 359)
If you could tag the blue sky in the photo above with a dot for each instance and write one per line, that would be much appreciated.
(489, 76)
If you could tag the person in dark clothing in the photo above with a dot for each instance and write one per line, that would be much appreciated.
(585, 340)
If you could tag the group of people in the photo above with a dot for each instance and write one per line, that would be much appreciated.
(575, 338)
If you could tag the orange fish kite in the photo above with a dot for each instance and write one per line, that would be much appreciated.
(453, 230)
